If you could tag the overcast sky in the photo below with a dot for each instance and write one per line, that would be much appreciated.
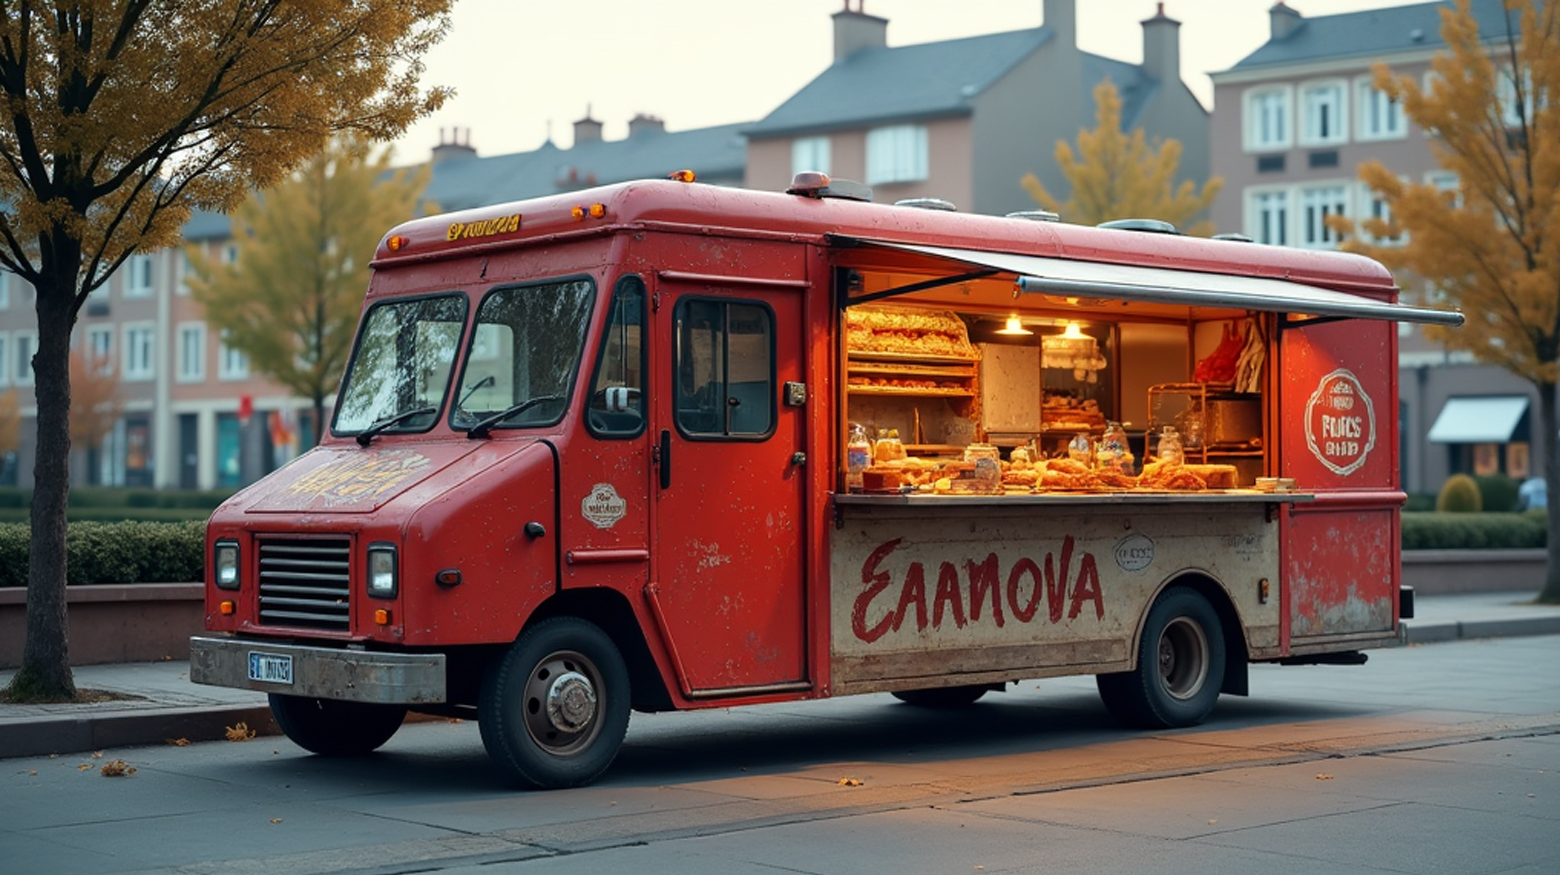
(524, 68)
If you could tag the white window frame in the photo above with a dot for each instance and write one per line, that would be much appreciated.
(811, 153)
(231, 363)
(138, 361)
(1311, 112)
(896, 154)
(100, 346)
(192, 368)
(5, 288)
(1506, 96)
(1373, 205)
(1256, 200)
(138, 276)
(1373, 105)
(1446, 180)
(1256, 131)
(1312, 231)
(24, 375)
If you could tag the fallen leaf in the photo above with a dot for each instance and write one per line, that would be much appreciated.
(97, 754)
(178, 742)
(276, 820)
(117, 769)
(1213, 821)
(83, 767)
(54, 756)
(850, 782)
(241, 732)
(34, 772)
(1324, 777)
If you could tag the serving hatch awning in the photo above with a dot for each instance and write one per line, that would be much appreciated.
(1489, 420)
(1092, 279)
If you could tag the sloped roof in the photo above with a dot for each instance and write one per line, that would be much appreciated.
(901, 82)
(1370, 33)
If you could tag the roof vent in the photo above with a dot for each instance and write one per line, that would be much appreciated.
(927, 203)
(811, 183)
(1232, 236)
(1417, 35)
(1036, 215)
(1152, 226)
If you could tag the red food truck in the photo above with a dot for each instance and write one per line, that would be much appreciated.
(663, 445)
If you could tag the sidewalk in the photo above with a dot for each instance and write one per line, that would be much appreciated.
(168, 707)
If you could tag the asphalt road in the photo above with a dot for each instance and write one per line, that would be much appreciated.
(1438, 758)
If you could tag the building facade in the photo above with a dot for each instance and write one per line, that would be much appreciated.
(1292, 123)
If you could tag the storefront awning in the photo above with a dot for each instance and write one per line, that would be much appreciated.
(1092, 279)
(1478, 420)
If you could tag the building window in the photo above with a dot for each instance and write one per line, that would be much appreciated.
(25, 344)
(810, 153)
(1316, 204)
(1448, 183)
(1267, 119)
(1380, 117)
(230, 254)
(1270, 218)
(5, 288)
(5, 360)
(192, 352)
(138, 279)
(896, 154)
(1374, 206)
(232, 364)
(138, 361)
(1323, 112)
(100, 344)
(1513, 111)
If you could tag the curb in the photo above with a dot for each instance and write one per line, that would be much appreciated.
(83, 732)
(1456, 630)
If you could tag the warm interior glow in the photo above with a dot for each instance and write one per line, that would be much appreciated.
(1014, 326)
(1072, 331)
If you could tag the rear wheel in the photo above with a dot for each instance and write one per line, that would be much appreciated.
(1180, 666)
(941, 697)
(334, 728)
(554, 708)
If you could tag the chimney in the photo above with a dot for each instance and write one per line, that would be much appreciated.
(1162, 47)
(454, 148)
(1061, 16)
(642, 124)
(1283, 21)
(855, 30)
(587, 129)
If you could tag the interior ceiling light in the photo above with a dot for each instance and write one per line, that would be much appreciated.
(1014, 326)
(1072, 350)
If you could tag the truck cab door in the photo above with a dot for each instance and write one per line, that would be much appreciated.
(730, 431)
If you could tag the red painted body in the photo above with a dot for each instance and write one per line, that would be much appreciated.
(716, 553)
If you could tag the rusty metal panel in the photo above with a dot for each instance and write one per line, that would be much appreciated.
(958, 591)
(1340, 578)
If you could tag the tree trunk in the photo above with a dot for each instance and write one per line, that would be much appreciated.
(319, 419)
(1550, 594)
(45, 671)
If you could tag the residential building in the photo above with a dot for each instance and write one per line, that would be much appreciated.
(964, 120)
(1292, 123)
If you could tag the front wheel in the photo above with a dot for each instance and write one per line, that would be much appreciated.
(554, 708)
(1180, 666)
(330, 727)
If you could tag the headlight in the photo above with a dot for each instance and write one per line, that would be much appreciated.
(224, 560)
(381, 571)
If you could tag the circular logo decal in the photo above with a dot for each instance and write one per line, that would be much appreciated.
(1340, 424)
(603, 506)
(1135, 552)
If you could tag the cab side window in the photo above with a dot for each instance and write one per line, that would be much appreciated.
(725, 377)
(616, 408)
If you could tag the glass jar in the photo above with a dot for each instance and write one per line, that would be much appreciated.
(858, 457)
(1169, 450)
(1112, 451)
(1080, 449)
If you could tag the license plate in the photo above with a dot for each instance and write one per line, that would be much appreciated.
(272, 668)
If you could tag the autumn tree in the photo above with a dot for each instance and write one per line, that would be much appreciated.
(10, 424)
(122, 116)
(291, 299)
(1119, 176)
(94, 399)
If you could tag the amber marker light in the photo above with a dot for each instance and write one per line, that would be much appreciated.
(396, 243)
(578, 213)
(682, 176)
(382, 617)
(227, 608)
(599, 210)
(448, 577)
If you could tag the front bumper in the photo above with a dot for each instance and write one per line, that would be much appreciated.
(323, 672)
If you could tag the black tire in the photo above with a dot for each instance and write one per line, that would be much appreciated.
(333, 728)
(554, 708)
(1180, 666)
(941, 697)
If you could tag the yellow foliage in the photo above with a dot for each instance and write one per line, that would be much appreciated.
(1117, 176)
(94, 398)
(10, 422)
(1492, 248)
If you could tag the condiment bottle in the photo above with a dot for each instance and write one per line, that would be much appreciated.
(1079, 449)
(1113, 446)
(858, 457)
(1170, 451)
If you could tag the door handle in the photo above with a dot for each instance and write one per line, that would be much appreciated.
(664, 458)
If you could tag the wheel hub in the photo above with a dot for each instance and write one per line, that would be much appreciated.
(571, 702)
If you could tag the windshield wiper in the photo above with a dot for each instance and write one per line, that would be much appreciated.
(482, 426)
(367, 434)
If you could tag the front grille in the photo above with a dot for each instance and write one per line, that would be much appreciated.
(306, 582)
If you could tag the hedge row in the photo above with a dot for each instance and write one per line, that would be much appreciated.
(123, 552)
(115, 514)
(115, 497)
(1474, 531)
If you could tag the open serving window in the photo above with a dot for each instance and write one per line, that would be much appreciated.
(994, 373)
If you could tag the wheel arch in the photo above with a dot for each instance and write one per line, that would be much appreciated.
(1235, 654)
(610, 611)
